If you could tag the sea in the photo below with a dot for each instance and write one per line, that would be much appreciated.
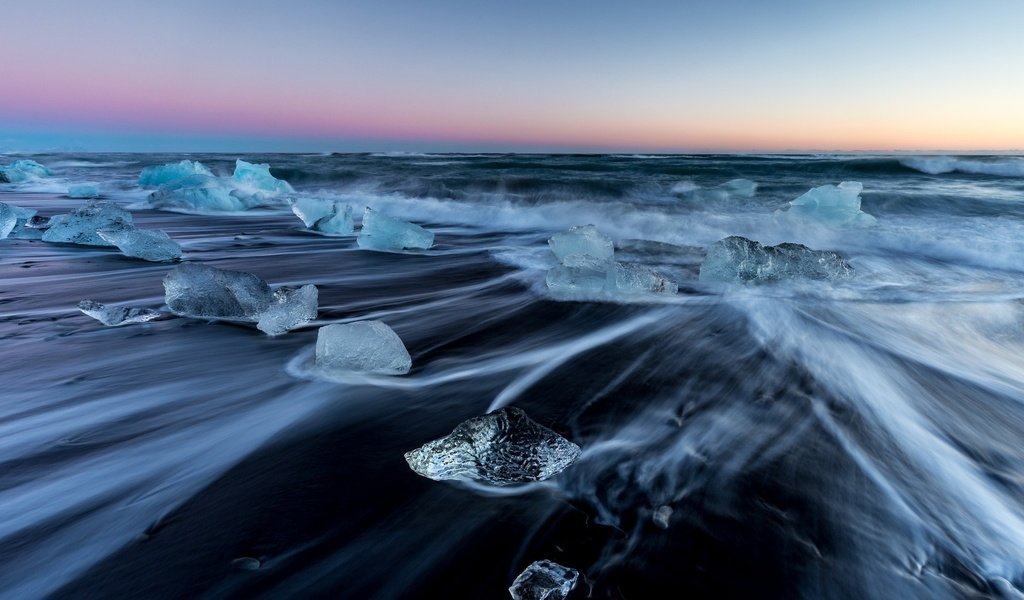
(859, 438)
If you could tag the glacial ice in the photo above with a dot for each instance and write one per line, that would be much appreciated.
(737, 259)
(205, 292)
(581, 239)
(8, 219)
(116, 315)
(740, 188)
(21, 170)
(362, 347)
(388, 234)
(258, 177)
(831, 205)
(198, 290)
(326, 216)
(583, 273)
(202, 193)
(80, 226)
(503, 447)
(289, 308)
(162, 174)
(83, 191)
(544, 580)
(147, 244)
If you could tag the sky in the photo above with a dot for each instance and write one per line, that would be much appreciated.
(482, 75)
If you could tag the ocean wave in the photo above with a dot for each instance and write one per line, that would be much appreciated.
(939, 165)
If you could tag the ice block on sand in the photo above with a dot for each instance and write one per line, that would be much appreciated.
(361, 347)
(326, 216)
(544, 580)
(161, 174)
(80, 226)
(83, 191)
(830, 205)
(198, 290)
(290, 308)
(583, 240)
(116, 315)
(737, 259)
(503, 447)
(147, 244)
(381, 232)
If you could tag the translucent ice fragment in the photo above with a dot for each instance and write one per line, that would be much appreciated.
(583, 273)
(638, 278)
(741, 188)
(290, 308)
(83, 190)
(116, 315)
(8, 219)
(327, 216)
(737, 259)
(80, 226)
(147, 244)
(258, 177)
(381, 232)
(198, 290)
(364, 347)
(544, 580)
(163, 174)
(21, 170)
(831, 205)
(503, 448)
(581, 239)
(203, 194)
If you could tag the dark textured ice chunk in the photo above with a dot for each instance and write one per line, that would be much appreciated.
(544, 580)
(116, 315)
(197, 290)
(737, 259)
(503, 447)
(80, 226)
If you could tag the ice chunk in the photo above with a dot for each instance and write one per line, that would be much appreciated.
(258, 177)
(80, 226)
(202, 193)
(581, 239)
(741, 188)
(290, 308)
(583, 273)
(737, 259)
(21, 170)
(327, 216)
(503, 448)
(159, 175)
(198, 290)
(639, 278)
(832, 205)
(364, 346)
(381, 232)
(116, 315)
(83, 190)
(8, 219)
(147, 244)
(544, 580)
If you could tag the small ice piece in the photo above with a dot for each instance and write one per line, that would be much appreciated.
(737, 259)
(162, 174)
(21, 170)
(638, 278)
(662, 516)
(327, 216)
(202, 291)
(80, 226)
(388, 234)
(290, 308)
(544, 580)
(116, 315)
(832, 205)
(8, 219)
(581, 239)
(83, 190)
(258, 177)
(504, 447)
(362, 347)
(203, 194)
(147, 244)
(742, 188)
